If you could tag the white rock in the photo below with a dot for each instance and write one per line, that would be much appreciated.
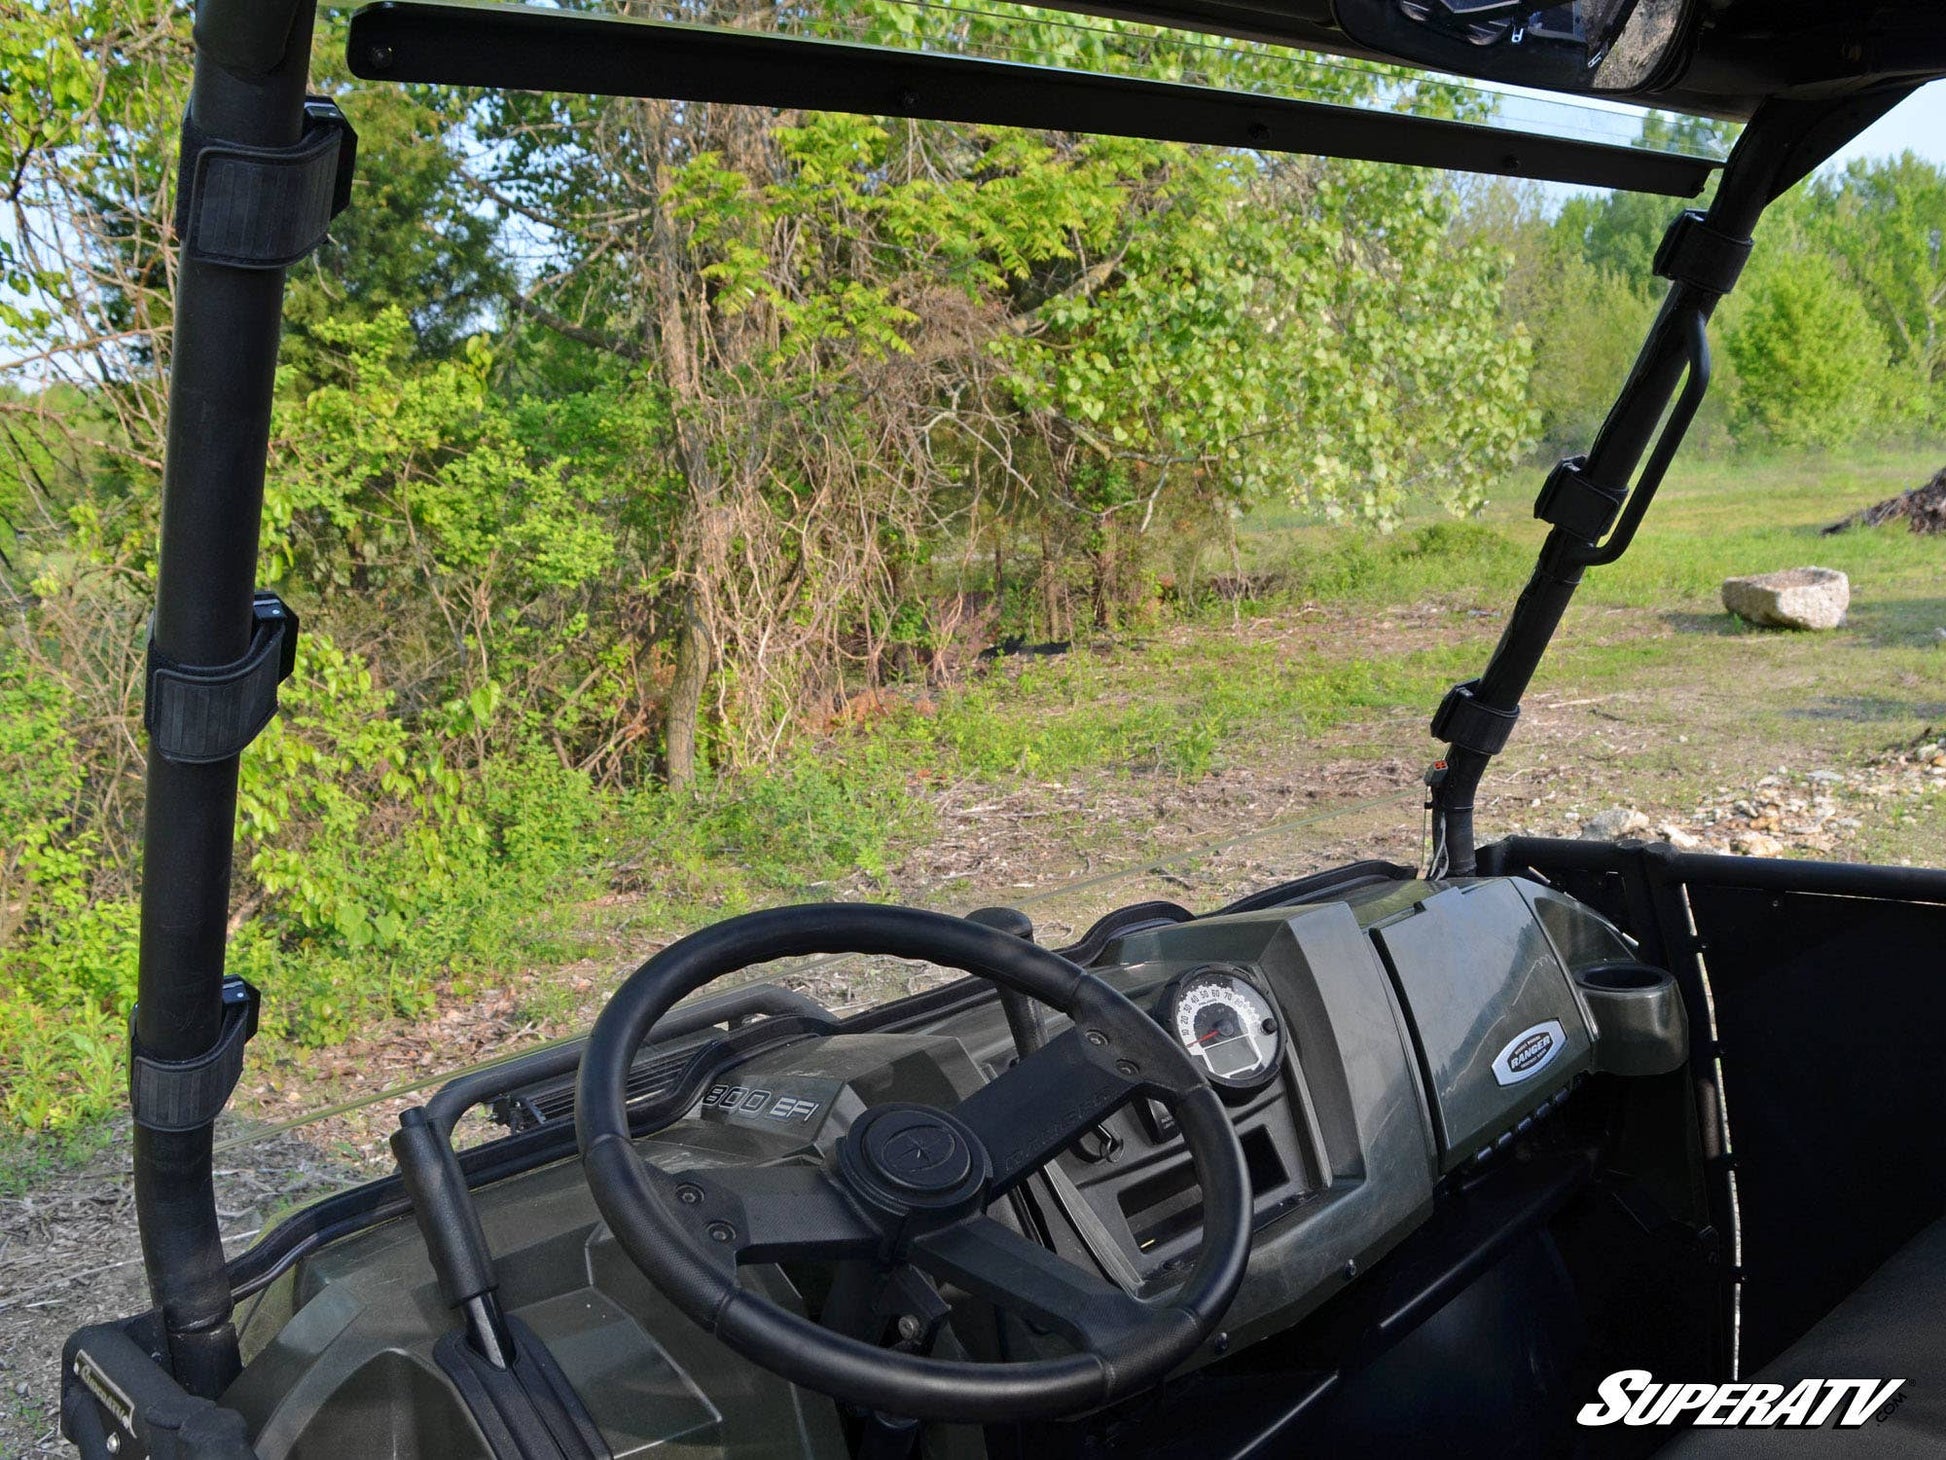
(1797, 598)
(1756, 844)
(1681, 840)
(1608, 826)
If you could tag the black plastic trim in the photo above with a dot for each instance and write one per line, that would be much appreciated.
(1335, 882)
(245, 207)
(526, 1409)
(530, 49)
(1467, 722)
(1694, 253)
(119, 1403)
(1707, 869)
(1572, 500)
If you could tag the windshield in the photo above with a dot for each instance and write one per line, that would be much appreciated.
(697, 507)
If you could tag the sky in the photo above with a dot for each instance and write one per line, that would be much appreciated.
(1917, 124)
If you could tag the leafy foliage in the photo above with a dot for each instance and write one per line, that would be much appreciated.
(67, 966)
(1808, 357)
(1833, 334)
(1885, 222)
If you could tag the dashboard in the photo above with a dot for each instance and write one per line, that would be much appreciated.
(1366, 1046)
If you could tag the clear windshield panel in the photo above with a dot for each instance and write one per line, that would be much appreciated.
(340, 1137)
(337, 1136)
(1030, 35)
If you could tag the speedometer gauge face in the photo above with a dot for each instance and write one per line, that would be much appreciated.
(1228, 1026)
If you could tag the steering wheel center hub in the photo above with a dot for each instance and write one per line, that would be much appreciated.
(912, 1158)
(918, 1151)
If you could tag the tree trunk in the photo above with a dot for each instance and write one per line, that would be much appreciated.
(685, 703)
(678, 344)
(1101, 566)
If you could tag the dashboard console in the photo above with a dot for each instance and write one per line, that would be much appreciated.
(1368, 1045)
(1419, 1027)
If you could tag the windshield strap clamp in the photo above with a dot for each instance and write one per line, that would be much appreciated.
(264, 207)
(1576, 503)
(196, 715)
(1694, 253)
(180, 1095)
(1467, 722)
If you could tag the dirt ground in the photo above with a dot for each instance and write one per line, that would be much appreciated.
(69, 1256)
(1065, 850)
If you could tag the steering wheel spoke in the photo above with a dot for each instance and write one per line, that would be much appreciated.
(992, 1261)
(745, 1214)
(1046, 1102)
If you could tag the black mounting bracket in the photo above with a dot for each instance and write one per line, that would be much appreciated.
(1572, 500)
(1694, 253)
(1469, 723)
(178, 1095)
(264, 207)
(119, 1403)
(197, 714)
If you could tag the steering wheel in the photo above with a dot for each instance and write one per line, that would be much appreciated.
(911, 1183)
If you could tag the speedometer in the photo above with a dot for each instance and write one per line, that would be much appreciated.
(1228, 1026)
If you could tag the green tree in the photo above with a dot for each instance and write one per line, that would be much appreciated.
(1886, 220)
(417, 237)
(1808, 356)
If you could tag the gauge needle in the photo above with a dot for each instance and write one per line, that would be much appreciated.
(1206, 1038)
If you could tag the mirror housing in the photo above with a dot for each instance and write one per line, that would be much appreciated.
(1587, 46)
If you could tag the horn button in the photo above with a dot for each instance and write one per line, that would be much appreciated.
(911, 1159)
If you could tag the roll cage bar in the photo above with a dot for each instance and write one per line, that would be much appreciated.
(263, 172)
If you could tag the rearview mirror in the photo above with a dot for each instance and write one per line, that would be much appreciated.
(1556, 45)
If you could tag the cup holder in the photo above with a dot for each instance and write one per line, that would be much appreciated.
(1640, 1026)
(1622, 976)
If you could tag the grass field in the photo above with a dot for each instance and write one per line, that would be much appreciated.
(1372, 630)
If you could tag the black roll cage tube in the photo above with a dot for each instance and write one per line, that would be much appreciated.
(252, 64)
(249, 91)
(1784, 141)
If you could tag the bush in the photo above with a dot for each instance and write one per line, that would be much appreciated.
(67, 959)
(381, 869)
(1589, 322)
(1809, 359)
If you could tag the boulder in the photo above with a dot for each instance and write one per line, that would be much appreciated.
(1608, 826)
(1797, 598)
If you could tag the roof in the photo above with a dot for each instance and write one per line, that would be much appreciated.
(1730, 55)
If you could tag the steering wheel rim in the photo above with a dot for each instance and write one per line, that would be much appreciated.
(673, 1226)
